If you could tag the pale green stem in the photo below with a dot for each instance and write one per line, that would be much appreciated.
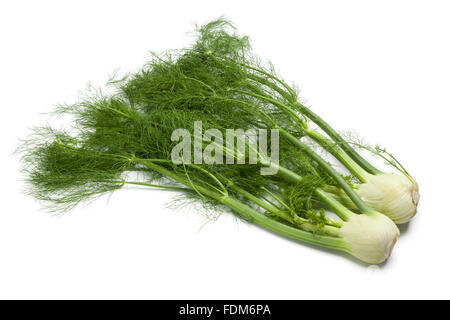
(334, 242)
(339, 154)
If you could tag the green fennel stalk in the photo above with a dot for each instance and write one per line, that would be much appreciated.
(261, 83)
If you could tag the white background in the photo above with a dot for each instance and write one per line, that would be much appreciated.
(381, 68)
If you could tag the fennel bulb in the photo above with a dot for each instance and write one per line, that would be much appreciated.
(397, 196)
(370, 237)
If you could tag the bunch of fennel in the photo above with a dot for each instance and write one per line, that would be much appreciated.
(125, 138)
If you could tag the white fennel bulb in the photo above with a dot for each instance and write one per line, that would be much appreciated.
(369, 237)
(394, 195)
